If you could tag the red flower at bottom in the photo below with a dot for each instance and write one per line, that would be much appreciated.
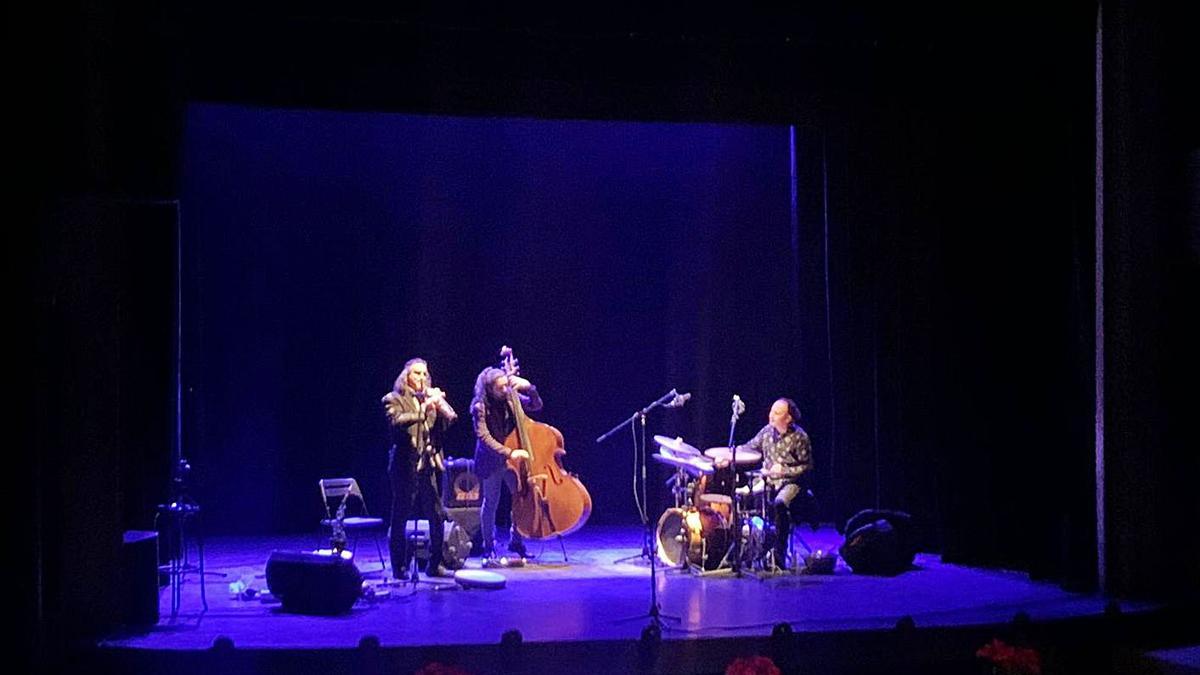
(1010, 659)
(752, 665)
(435, 668)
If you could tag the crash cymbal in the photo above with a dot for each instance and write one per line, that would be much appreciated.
(676, 446)
(743, 456)
(695, 466)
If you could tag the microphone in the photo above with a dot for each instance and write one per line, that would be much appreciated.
(738, 406)
(678, 401)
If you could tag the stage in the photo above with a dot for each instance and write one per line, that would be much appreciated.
(589, 614)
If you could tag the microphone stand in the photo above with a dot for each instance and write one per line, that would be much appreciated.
(738, 409)
(666, 398)
(654, 614)
(639, 469)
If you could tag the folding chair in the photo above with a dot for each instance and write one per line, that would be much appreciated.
(345, 496)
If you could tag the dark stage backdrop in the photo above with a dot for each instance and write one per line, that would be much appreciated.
(619, 260)
(946, 180)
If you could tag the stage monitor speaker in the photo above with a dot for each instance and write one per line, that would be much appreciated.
(879, 542)
(311, 583)
(456, 541)
(461, 486)
(139, 578)
(467, 518)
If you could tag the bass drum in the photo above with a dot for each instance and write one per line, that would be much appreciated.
(699, 537)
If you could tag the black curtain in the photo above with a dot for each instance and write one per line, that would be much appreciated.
(925, 294)
(618, 259)
(1151, 251)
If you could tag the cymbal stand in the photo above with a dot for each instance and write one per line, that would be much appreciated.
(732, 560)
(679, 488)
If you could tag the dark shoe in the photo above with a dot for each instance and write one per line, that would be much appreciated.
(438, 571)
(517, 546)
(487, 550)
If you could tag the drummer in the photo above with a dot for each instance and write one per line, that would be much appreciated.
(787, 465)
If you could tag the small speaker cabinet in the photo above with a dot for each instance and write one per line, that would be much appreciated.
(460, 485)
(310, 583)
(139, 578)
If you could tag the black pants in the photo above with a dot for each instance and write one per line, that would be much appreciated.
(415, 495)
(790, 497)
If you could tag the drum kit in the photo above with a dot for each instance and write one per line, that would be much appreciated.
(698, 532)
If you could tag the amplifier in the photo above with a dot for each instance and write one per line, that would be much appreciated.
(460, 485)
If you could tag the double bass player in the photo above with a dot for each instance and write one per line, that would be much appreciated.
(494, 421)
(547, 500)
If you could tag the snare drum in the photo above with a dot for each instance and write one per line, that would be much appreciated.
(697, 536)
(721, 504)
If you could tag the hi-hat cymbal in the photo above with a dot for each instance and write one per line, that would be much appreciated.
(743, 456)
(694, 466)
(676, 446)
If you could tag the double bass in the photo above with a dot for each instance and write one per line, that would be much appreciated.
(548, 500)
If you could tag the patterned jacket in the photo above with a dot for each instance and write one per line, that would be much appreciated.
(791, 449)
